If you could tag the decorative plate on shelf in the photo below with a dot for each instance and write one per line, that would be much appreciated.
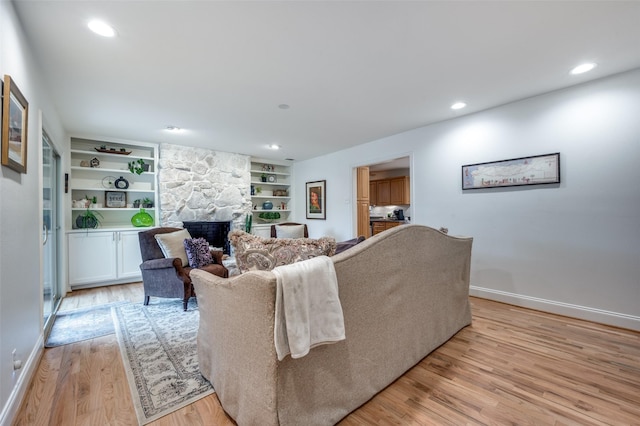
(108, 182)
(112, 151)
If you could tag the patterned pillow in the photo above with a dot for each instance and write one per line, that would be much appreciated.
(255, 253)
(198, 252)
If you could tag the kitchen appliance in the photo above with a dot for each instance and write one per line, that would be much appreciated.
(399, 214)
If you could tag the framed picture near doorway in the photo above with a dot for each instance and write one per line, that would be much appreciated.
(15, 113)
(316, 197)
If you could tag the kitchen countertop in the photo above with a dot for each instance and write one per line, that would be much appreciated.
(388, 220)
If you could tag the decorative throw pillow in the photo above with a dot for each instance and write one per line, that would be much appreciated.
(290, 231)
(254, 253)
(172, 244)
(198, 252)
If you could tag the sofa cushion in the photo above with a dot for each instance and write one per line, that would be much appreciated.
(172, 245)
(254, 253)
(290, 231)
(198, 252)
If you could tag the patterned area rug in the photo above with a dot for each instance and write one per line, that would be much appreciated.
(158, 347)
(81, 324)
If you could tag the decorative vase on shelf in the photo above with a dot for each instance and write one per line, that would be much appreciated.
(267, 205)
(142, 218)
(86, 222)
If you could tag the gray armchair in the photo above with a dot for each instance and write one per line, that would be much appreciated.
(166, 277)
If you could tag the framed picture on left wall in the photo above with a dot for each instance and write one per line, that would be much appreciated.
(15, 114)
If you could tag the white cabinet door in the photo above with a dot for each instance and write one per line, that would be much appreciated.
(92, 257)
(129, 257)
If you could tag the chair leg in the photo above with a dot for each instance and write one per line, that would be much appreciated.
(185, 302)
(146, 300)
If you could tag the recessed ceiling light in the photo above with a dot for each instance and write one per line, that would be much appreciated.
(173, 129)
(283, 106)
(583, 68)
(274, 146)
(101, 28)
(458, 105)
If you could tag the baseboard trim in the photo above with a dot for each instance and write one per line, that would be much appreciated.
(106, 283)
(29, 368)
(569, 310)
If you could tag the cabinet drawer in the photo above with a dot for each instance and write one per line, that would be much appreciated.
(378, 227)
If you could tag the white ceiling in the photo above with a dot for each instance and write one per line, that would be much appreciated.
(351, 71)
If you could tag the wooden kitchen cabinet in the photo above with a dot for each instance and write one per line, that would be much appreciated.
(373, 192)
(399, 190)
(363, 192)
(363, 219)
(363, 201)
(390, 192)
(378, 227)
(383, 188)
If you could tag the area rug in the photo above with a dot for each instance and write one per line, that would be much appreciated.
(158, 347)
(81, 324)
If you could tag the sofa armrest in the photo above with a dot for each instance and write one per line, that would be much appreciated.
(160, 263)
(236, 351)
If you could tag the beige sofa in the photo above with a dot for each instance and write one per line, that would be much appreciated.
(404, 292)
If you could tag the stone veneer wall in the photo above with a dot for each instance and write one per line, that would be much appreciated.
(201, 184)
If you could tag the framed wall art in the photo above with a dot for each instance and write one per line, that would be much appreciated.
(15, 113)
(116, 199)
(535, 170)
(316, 200)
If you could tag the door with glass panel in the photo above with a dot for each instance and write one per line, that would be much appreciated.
(50, 228)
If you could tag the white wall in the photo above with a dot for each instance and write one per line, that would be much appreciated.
(572, 248)
(21, 222)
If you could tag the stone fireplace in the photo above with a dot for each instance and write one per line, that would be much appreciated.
(201, 185)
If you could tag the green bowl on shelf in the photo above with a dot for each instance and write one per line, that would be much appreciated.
(142, 218)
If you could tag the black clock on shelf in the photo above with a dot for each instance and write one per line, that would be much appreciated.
(271, 178)
(121, 183)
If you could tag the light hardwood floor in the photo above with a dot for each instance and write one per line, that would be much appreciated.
(511, 366)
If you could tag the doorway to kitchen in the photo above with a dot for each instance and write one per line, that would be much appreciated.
(383, 195)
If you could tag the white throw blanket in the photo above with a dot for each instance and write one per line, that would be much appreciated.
(308, 311)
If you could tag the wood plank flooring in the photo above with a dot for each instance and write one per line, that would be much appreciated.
(511, 366)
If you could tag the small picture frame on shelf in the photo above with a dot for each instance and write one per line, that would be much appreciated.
(115, 199)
